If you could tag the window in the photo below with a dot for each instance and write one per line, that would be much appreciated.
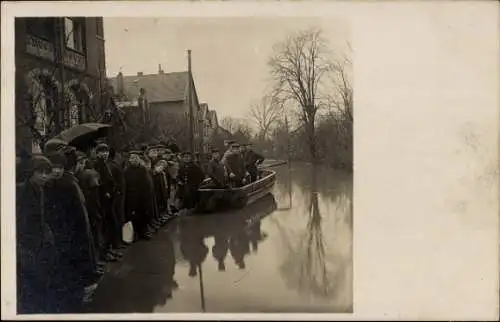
(73, 34)
(40, 27)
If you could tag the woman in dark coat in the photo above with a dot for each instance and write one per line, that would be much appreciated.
(67, 216)
(36, 252)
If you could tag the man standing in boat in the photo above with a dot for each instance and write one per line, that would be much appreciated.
(215, 170)
(189, 178)
(252, 160)
(235, 168)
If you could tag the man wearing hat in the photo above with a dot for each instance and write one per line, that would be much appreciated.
(107, 190)
(139, 195)
(215, 170)
(68, 217)
(189, 178)
(252, 160)
(88, 179)
(36, 251)
(233, 162)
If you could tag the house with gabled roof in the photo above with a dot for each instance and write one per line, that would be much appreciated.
(165, 96)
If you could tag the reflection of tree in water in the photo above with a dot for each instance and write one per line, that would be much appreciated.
(306, 265)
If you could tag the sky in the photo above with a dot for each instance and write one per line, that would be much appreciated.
(229, 55)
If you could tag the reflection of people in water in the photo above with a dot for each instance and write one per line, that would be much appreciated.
(255, 235)
(220, 249)
(193, 246)
(239, 245)
(171, 283)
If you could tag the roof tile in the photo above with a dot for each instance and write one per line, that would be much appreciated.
(166, 87)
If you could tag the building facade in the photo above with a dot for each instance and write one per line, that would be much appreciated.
(167, 96)
(60, 76)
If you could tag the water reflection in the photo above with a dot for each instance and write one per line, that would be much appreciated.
(142, 282)
(288, 252)
(318, 260)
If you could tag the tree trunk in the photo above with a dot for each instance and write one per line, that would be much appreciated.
(311, 138)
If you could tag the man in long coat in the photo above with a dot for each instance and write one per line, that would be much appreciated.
(89, 179)
(189, 178)
(107, 190)
(215, 170)
(67, 215)
(36, 250)
(251, 160)
(235, 168)
(118, 196)
(139, 195)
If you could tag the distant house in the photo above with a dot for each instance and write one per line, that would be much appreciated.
(164, 97)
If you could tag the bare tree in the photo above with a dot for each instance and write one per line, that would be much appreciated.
(341, 98)
(265, 114)
(298, 67)
(229, 123)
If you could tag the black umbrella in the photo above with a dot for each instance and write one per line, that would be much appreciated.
(85, 134)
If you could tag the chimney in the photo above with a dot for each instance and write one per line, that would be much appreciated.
(140, 73)
(160, 71)
(119, 83)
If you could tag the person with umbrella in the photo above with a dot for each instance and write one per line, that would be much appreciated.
(107, 190)
(36, 250)
(67, 216)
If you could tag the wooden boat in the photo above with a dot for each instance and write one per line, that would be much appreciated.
(212, 199)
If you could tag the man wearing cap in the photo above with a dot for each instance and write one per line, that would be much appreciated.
(215, 170)
(172, 171)
(252, 159)
(67, 216)
(160, 184)
(36, 250)
(89, 179)
(189, 178)
(118, 196)
(138, 195)
(233, 162)
(107, 190)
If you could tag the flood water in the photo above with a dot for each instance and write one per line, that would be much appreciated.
(288, 252)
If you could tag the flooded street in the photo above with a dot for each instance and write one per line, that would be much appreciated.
(288, 252)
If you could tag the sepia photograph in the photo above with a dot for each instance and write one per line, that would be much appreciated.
(203, 160)
(171, 164)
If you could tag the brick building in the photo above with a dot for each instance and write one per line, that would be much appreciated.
(60, 75)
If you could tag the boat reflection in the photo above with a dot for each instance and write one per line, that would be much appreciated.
(236, 233)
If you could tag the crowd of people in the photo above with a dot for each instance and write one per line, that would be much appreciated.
(72, 207)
